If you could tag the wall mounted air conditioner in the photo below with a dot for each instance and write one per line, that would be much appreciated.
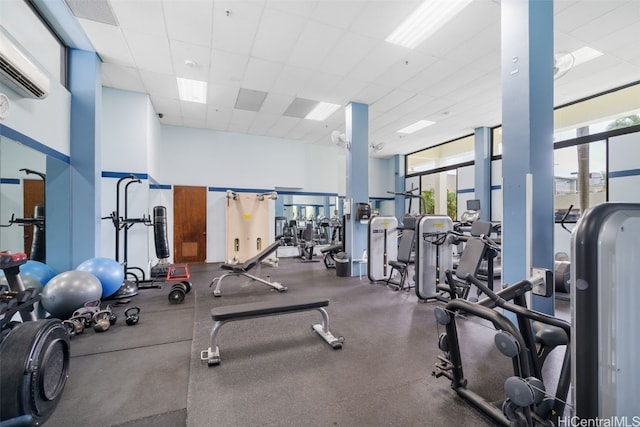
(19, 72)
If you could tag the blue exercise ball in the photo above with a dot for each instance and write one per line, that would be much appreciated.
(68, 291)
(38, 271)
(34, 274)
(108, 271)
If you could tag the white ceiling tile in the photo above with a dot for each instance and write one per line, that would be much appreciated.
(276, 103)
(277, 35)
(122, 77)
(601, 26)
(150, 53)
(193, 111)
(383, 56)
(236, 31)
(314, 44)
(109, 41)
(380, 17)
(320, 87)
(340, 55)
(291, 80)
(391, 100)
(166, 106)
(129, 12)
(372, 93)
(218, 118)
(261, 74)
(583, 12)
(263, 122)
(345, 55)
(198, 56)
(189, 20)
(160, 85)
(298, 8)
(227, 68)
(340, 14)
(222, 96)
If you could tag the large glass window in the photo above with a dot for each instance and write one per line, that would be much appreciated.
(448, 154)
(439, 193)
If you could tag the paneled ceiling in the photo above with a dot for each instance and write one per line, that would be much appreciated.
(335, 51)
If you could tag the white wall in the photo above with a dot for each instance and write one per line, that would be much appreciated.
(624, 172)
(126, 135)
(496, 195)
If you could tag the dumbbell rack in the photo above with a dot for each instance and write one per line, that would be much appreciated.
(25, 298)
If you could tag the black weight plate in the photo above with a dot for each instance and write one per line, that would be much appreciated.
(34, 361)
(187, 284)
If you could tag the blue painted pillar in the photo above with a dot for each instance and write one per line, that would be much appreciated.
(527, 129)
(399, 187)
(327, 207)
(85, 84)
(357, 132)
(57, 210)
(482, 170)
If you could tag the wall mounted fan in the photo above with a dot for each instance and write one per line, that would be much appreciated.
(340, 139)
(562, 63)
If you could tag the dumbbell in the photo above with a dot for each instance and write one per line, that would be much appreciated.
(178, 292)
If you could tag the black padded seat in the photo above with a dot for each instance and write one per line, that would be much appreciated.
(265, 308)
(251, 262)
(549, 336)
(332, 249)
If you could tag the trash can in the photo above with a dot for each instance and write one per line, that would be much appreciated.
(342, 264)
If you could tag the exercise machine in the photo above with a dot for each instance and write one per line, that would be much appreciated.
(34, 354)
(434, 254)
(604, 313)
(382, 247)
(526, 401)
(244, 268)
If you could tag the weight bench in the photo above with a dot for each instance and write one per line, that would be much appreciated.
(230, 313)
(243, 270)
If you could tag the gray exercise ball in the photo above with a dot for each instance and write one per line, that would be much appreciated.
(69, 291)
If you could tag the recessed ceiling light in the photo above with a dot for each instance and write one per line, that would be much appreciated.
(322, 111)
(192, 90)
(420, 124)
(428, 18)
(584, 54)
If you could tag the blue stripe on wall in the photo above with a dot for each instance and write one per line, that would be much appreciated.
(496, 187)
(159, 187)
(466, 190)
(9, 181)
(262, 190)
(32, 143)
(109, 174)
(621, 174)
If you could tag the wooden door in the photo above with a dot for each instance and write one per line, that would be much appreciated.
(32, 195)
(189, 224)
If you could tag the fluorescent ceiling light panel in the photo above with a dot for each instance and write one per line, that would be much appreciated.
(322, 111)
(420, 124)
(192, 90)
(584, 54)
(428, 18)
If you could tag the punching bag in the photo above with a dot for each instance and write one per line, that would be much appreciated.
(160, 232)
(38, 245)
